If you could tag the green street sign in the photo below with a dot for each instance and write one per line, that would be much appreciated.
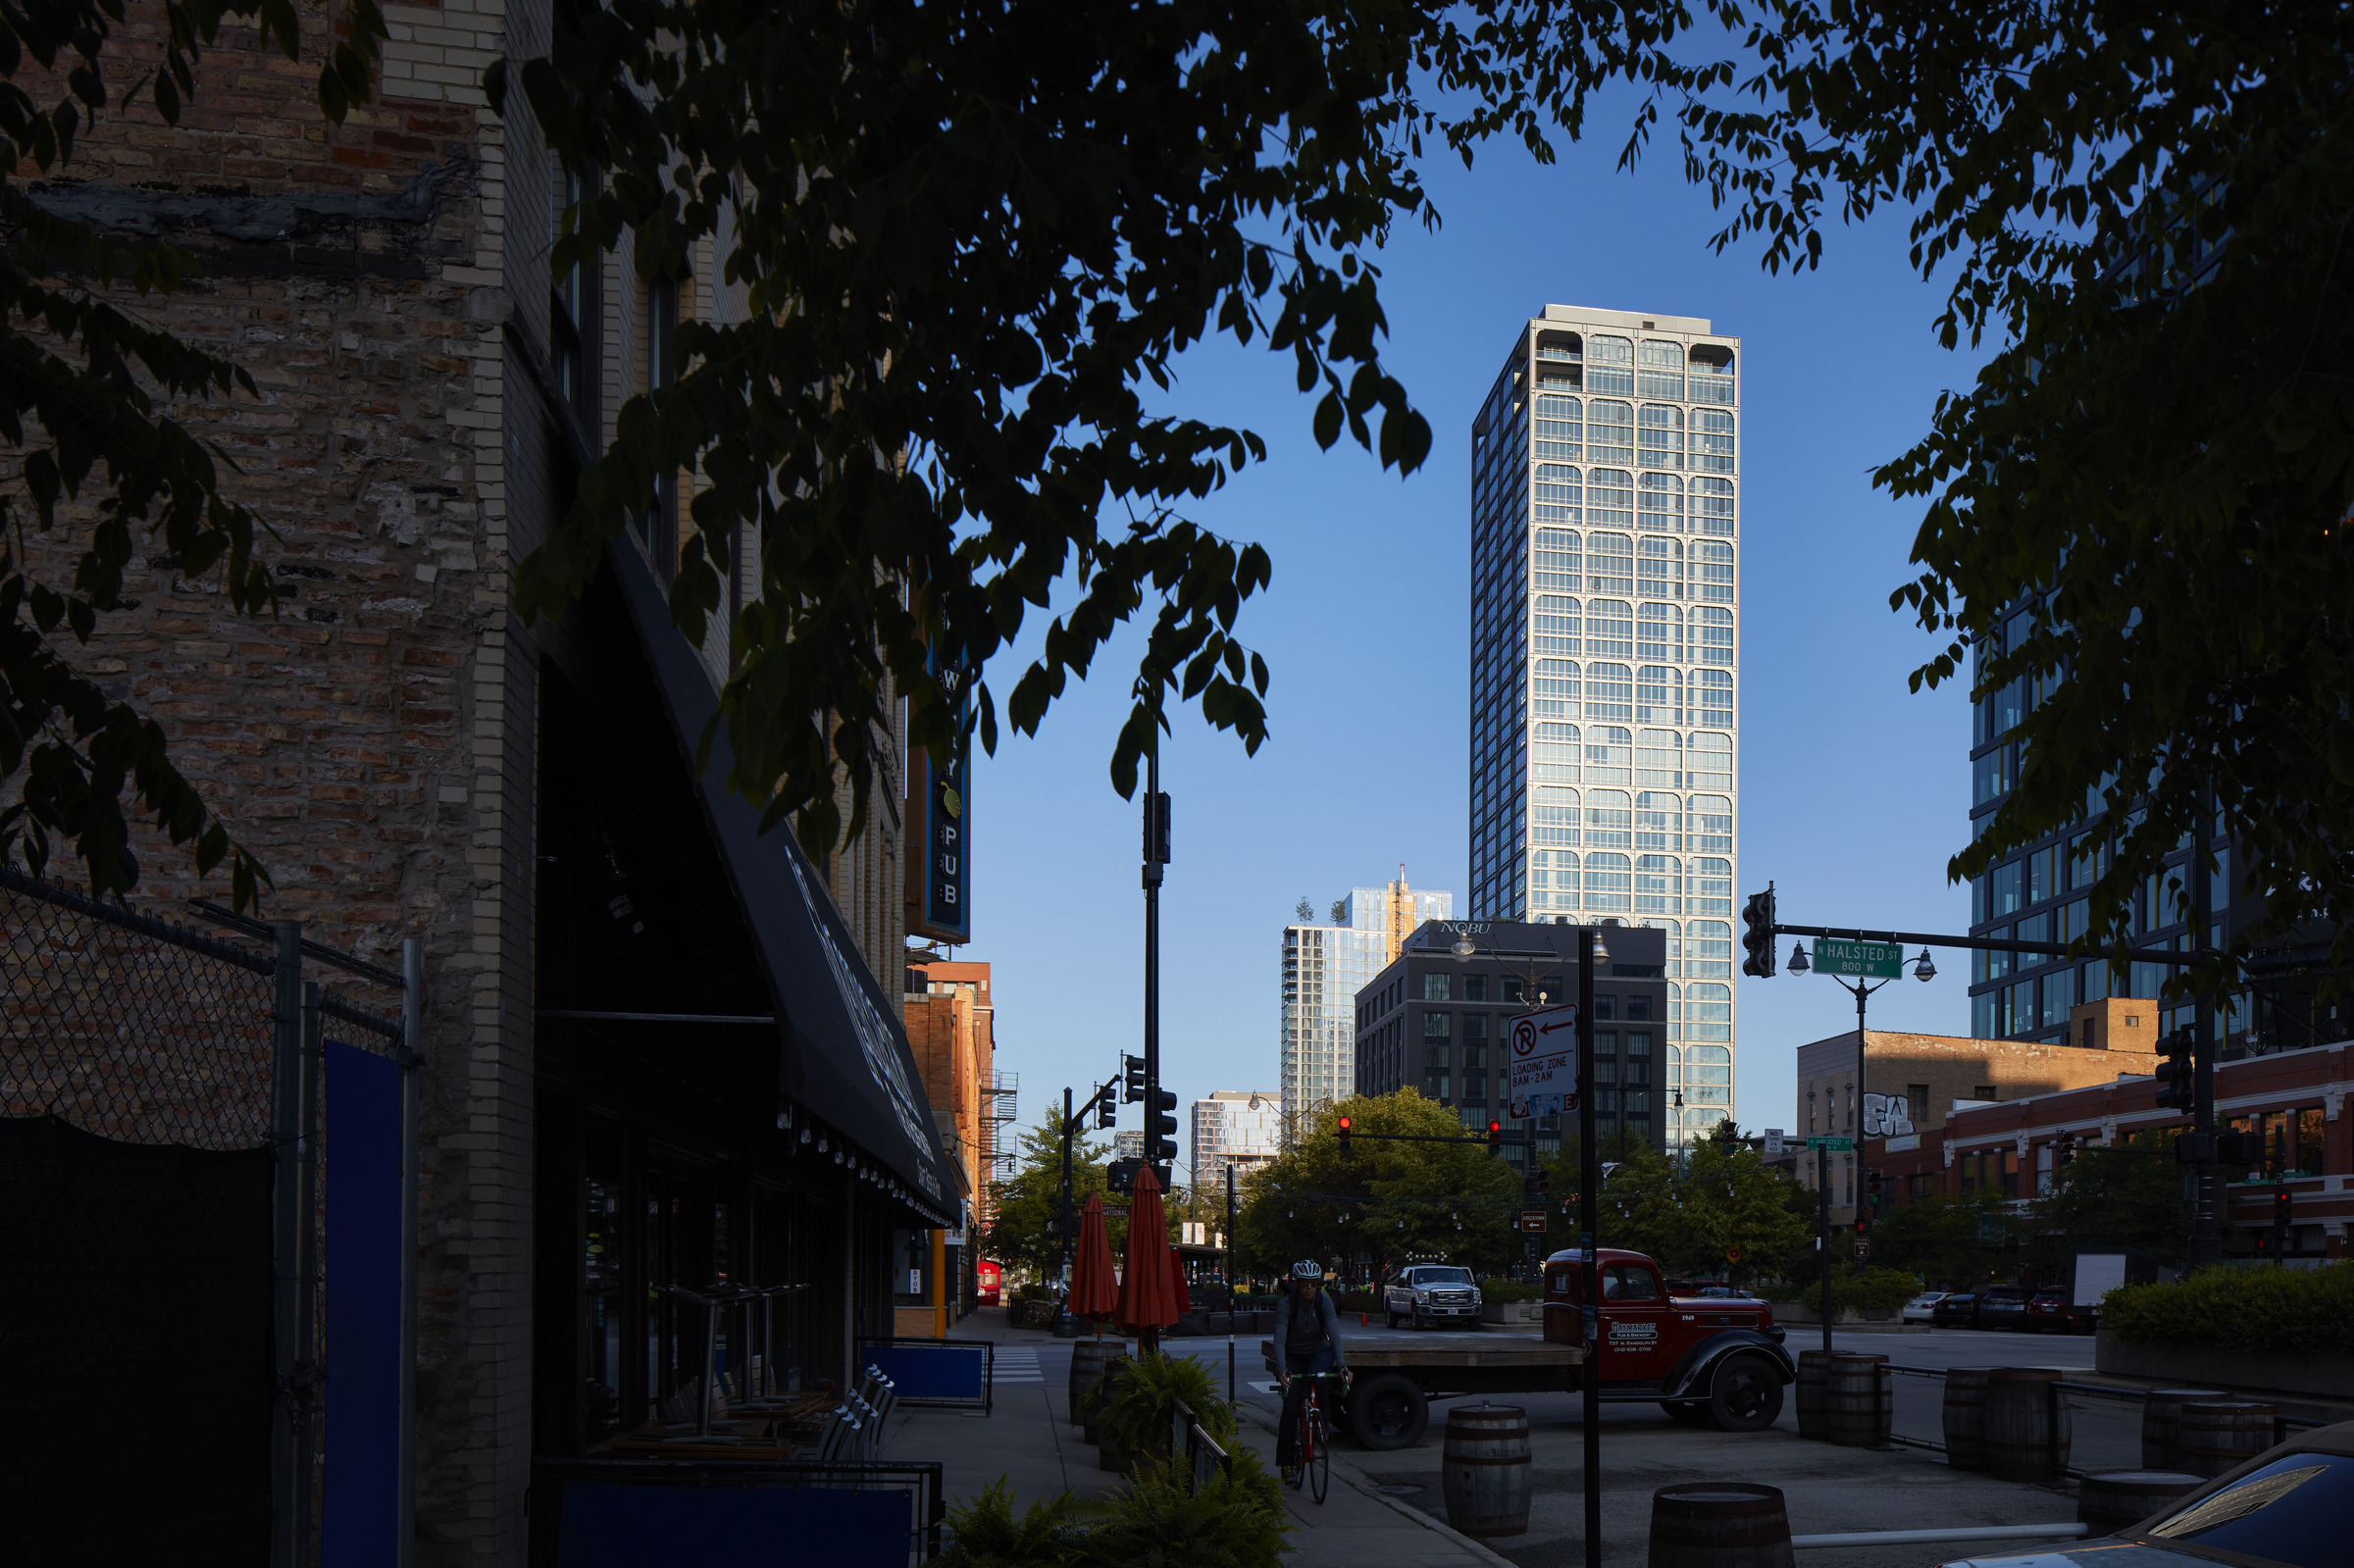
(1874, 960)
(1837, 1145)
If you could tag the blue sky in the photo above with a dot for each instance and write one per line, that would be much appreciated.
(1853, 791)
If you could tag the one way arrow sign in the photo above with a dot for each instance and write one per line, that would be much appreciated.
(1542, 1063)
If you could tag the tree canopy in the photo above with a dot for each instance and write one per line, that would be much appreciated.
(1446, 1203)
(1691, 1216)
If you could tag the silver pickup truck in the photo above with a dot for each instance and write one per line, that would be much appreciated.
(1431, 1293)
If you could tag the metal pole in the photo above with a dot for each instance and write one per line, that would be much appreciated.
(2206, 1231)
(1822, 1192)
(1856, 1156)
(1067, 1195)
(1230, 1282)
(306, 1312)
(286, 1226)
(1589, 1176)
(412, 1074)
(1147, 1336)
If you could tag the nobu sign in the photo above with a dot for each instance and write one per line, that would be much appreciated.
(1541, 1063)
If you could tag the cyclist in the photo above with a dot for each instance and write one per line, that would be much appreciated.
(1308, 1344)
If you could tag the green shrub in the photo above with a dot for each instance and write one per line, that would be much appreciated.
(1136, 1417)
(1774, 1293)
(1877, 1290)
(1356, 1301)
(1235, 1522)
(1507, 1290)
(984, 1533)
(2300, 1311)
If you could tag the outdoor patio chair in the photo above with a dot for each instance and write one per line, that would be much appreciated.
(841, 1432)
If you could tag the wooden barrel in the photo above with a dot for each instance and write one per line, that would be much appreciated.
(1116, 1371)
(1089, 1358)
(2161, 1416)
(1813, 1419)
(1852, 1399)
(2119, 1499)
(2220, 1434)
(1719, 1524)
(1485, 1470)
(1966, 1417)
(2027, 1425)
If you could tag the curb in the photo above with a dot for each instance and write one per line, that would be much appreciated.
(1359, 1482)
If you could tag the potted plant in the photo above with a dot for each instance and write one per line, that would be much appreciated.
(1136, 1414)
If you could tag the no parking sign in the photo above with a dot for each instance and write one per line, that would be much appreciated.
(1540, 1051)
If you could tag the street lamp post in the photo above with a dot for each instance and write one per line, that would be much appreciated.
(1591, 951)
(1925, 969)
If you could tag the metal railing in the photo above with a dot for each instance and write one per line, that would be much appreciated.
(1193, 1454)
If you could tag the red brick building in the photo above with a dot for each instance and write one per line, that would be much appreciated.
(2295, 1100)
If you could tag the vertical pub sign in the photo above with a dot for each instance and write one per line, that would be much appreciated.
(944, 908)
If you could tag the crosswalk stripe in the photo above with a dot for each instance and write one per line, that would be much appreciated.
(1017, 1366)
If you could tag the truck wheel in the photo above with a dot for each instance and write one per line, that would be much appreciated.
(1390, 1318)
(1686, 1412)
(1387, 1411)
(1745, 1393)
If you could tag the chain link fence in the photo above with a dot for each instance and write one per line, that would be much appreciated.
(167, 1096)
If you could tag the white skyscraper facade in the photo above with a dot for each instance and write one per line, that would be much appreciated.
(1606, 526)
(1240, 1128)
(1323, 968)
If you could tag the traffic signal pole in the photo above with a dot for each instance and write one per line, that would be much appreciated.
(1823, 1211)
(1588, 1178)
(2206, 1234)
(1156, 854)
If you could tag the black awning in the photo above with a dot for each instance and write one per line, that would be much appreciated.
(845, 1057)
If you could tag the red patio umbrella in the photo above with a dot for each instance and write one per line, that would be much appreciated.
(1095, 1294)
(1149, 1284)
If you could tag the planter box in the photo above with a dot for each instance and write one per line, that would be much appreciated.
(1513, 1312)
(2326, 1377)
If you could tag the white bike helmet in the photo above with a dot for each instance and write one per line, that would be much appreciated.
(1311, 1272)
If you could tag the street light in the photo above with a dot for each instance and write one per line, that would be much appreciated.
(1798, 963)
(1923, 969)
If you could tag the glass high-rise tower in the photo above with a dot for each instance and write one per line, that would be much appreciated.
(1324, 967)
(1605, 511)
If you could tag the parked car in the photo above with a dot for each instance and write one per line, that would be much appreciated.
(1958, 1310)
(1431, 1293)
(1922, 1307)
(2284, 1508)
(1709, 1361)
(2001, 1306)
(2051, 1312)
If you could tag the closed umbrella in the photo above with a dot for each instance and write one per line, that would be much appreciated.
(1094, 1292)
(1150, 1284)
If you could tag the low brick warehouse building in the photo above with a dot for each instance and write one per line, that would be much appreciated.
(606, 1112)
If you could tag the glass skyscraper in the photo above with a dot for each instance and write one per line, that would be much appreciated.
(1323, 968)
(1606, 509)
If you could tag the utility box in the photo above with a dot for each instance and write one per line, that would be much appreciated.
(2094, 1274)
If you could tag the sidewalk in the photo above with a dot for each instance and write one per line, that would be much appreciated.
(1028, 1438)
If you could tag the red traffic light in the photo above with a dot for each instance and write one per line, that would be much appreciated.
(1495, 1138)
(1343, 1135)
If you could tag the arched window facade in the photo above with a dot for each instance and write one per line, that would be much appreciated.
(1710, 824)
(1556, 685)
(1555, 820)
(1709, 890)
(1556, 752)
(1610, 692)
(1558, 493)
(1552, 878)
(1712, 635)
(1709, 950)
(1713, 570)
(1660, 632)
(1659, 885)
(1658, 694)
(1712, 440)
(1661, 503)
(1610, 563)
(1610, 498)
(1712, 505)
(1610, 627)
(1661, 437)
(1708, 1015)
(1708, 373)
(1556, 623)
(1609, 364)
(1558, 563)
(1610, 820)
(1660, 368)
(1561, 432)
(1609, 755)
(1659, 568)
(1610, 431)
(1609, 883)
(1709, 761)
(1659, 755)
(1658, 820)
(1713, 697)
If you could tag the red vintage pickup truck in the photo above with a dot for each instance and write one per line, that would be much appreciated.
(1706, 1359)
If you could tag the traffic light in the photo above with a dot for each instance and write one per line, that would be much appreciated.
(1121, 1176)
(1160, 1128)
(1544, 1181)
(1875, 1193)
(1343, 1131)
(2238, 1149)
(2064, 1152)
(2282, 1208)
(1134, 1067)
(1756, 939)
(1495, 1138)
(1107, 1109)
(2177, 1079)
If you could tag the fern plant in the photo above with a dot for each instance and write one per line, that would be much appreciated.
(1235, 1521)
(1136, 1414)
(984, 1533)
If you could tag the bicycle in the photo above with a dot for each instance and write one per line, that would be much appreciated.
(1312, 1444)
